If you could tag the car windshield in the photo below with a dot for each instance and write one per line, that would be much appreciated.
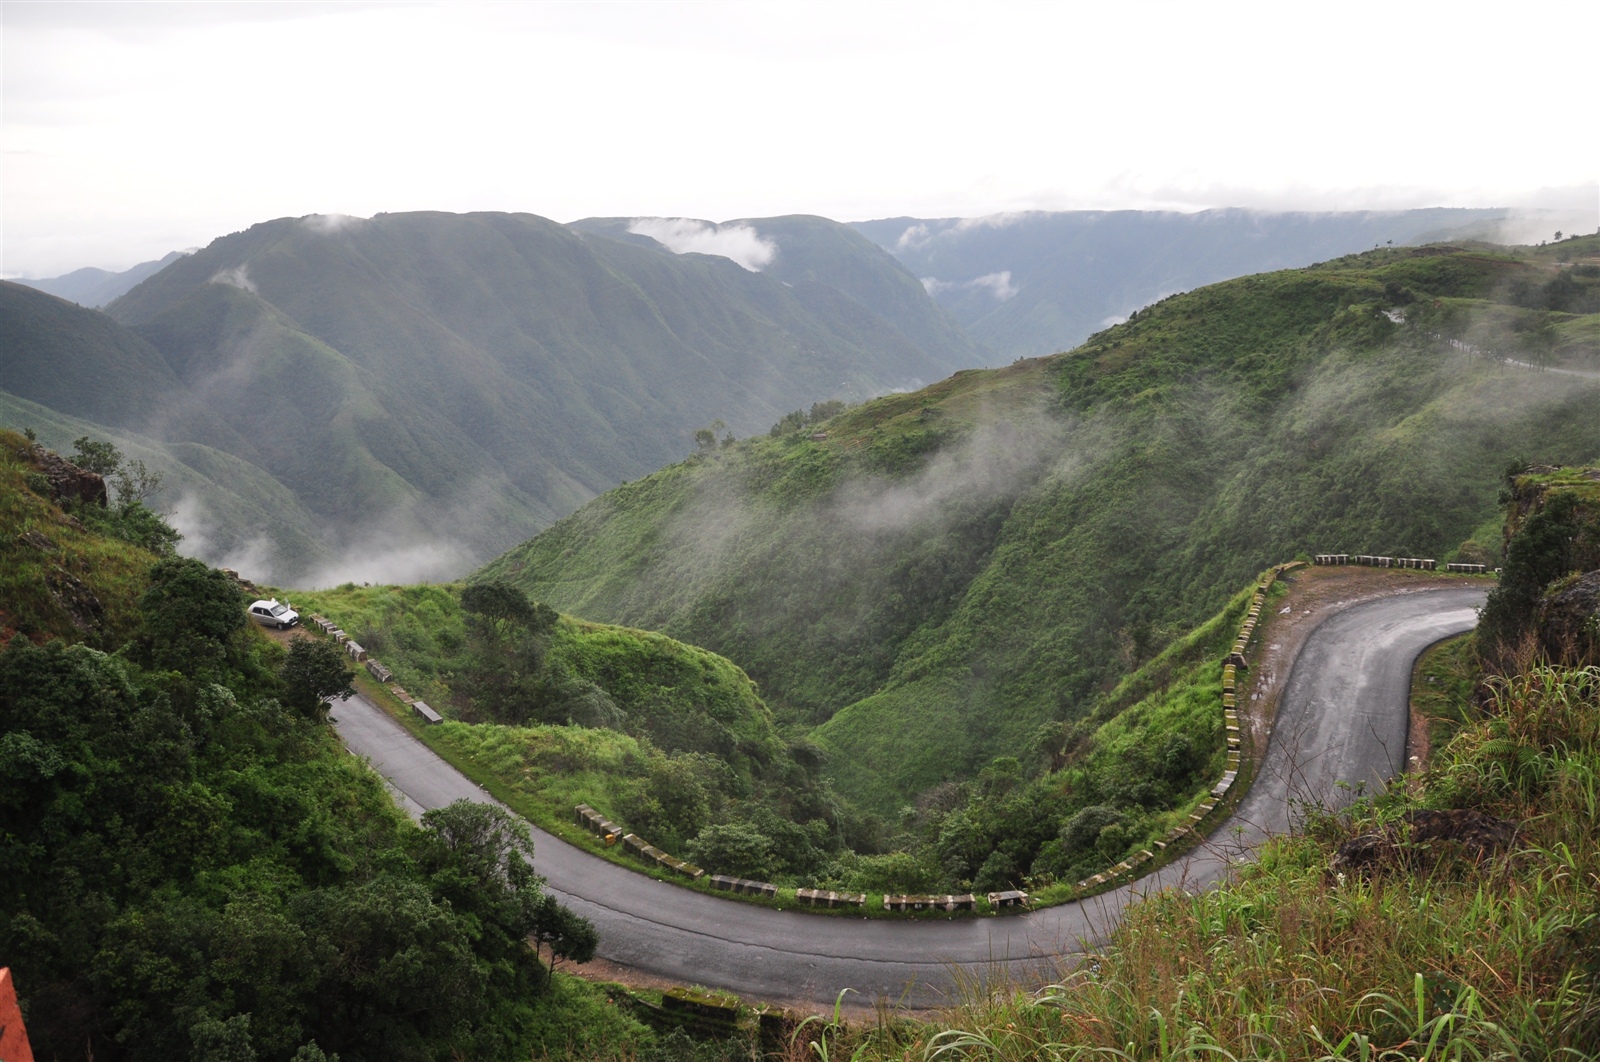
(278, 610)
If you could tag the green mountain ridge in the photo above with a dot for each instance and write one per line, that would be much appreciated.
(431, 388)
(1038, 282)
(949, 571)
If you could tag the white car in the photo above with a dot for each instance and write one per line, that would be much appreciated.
(273, 613)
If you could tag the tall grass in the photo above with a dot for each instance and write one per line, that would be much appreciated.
(1442, 958)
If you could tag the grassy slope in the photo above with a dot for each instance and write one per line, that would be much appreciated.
(1454, 960)
(952, 568)
(222, 503)
(678, 697)
(113, 572)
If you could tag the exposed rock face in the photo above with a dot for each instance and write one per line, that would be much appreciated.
(76, 599)
(38, 541)
(68, 482)
(1417, 840)
(1569, 621)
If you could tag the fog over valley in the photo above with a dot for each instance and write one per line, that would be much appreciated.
(623, 531)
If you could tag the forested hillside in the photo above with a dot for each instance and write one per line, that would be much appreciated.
(429, 389)
(1450, 917)
(930, 578)
(194, 868)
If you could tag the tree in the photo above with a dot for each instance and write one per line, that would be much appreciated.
(191, 611)
(315, 673)
(706, 438)
(567, 934)
(481, 858)
(91, 455)
(821, 411)
(506, 675)
(497, 600)
(135, 483)
(133, 522)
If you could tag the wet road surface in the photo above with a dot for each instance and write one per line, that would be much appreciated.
(1342, 718)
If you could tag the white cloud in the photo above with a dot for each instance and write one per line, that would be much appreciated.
(1002, 220)
(914, 238)
(329, 223)
(238, 277)
(739, 242)
(998, 284)
(404, 562)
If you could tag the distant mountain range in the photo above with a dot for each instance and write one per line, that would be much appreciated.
(1039, 282)
(404, 396)
(428, 389)
(96, 287)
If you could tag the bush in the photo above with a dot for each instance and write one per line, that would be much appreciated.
(733, 848)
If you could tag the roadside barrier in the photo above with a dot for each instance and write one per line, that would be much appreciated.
(827, 898)
(743, 885)
(375, 669)
(1235, 662)
(611, 833)
(965, 902)
(598, 824)
(1371, 561)
(700, 1010)
(1008, 898)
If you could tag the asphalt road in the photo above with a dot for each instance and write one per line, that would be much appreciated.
(1342, 718)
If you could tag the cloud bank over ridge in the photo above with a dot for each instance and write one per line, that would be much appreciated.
(738, 242)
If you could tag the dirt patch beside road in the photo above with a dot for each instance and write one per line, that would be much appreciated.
(1314, 595)
(284, 638)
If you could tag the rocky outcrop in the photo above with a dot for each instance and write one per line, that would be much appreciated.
(1421, 837)
(38, 540)
(76, 600)
(68, 483)
(1569, 621)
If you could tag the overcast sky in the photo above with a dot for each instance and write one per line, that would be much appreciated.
(134, 129)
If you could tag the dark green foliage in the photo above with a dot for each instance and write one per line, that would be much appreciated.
(794, 422)
(498, 601)
(569, 936)
(504, 672)
(733, 848)
(675, 799)
(129, 519)
(96, 456)
(315, 672)
(134, 523)
(1553, 529)
(193, 614)
(193, 871)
